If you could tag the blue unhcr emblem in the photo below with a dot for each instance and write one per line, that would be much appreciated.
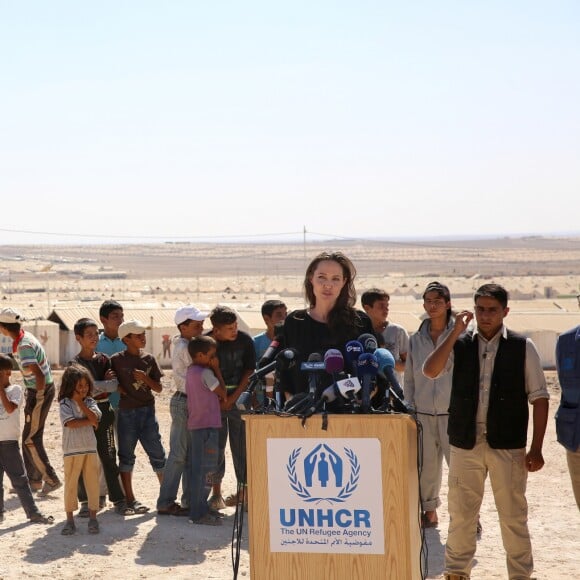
(323, 470)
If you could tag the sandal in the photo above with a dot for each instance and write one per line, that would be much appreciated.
(93, 527)
(137, 507)
(84, 511)
(69, 529)
(38, 518)
(173, 510)
(207, 520)
(216, 502)
(234, 500)
(123, 509)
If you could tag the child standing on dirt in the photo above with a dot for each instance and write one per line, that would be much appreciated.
(204, 387)
(11, 461)
(139, 377)
(79, 415)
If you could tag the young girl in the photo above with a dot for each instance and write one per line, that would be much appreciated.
(79, 415)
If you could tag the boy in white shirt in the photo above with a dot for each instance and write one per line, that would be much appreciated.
(11, 460)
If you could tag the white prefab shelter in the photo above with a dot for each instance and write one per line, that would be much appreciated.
(47, 334)
(159, 321)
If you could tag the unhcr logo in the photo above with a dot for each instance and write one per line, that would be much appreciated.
(323, 474)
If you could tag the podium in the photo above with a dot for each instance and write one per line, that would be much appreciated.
(336, 498)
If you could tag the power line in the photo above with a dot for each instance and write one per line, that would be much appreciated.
(129, 237)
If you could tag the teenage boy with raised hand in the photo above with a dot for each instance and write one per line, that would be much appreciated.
(496, 374)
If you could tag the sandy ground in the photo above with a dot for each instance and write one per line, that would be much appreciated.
(147, 546)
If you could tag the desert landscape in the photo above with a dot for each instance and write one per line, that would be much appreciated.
(541, 272)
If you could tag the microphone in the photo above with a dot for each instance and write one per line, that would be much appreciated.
(328, 395)
(348, 388)
(353, 349)
(369, 342)
(387, 369)
(273, 349)
(283, 360)
(313, 377)
(368, 367)
(333, 362)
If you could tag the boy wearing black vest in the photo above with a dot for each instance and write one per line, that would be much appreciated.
(496, 373)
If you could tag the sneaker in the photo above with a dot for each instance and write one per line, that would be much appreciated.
(216, 502)
(48, 488)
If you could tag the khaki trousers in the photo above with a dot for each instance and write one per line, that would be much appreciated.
(573, 458)
(508, 475)
(74, 465)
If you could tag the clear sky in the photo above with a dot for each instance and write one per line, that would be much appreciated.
(183, 119)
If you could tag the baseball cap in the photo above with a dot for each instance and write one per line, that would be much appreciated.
(189, 312)
(9, 315)
(131, 327)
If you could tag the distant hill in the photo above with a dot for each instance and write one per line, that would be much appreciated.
(525, 256)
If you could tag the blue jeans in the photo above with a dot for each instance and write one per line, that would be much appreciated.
(203, 461)
(232, 425)
(139, 425)
(12, 464)
(177, 465)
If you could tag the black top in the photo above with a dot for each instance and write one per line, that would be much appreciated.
(306, 335)
(236, 357)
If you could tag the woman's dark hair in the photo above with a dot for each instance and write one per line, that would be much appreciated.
(71, 376)
(343, 314)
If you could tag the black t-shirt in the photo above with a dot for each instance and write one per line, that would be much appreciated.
(236, 357)
(306, 335)
(97, 366)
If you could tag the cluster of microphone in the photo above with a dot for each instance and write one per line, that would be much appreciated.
(354, 379)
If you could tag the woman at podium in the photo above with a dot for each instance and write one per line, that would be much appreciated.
(329, 322)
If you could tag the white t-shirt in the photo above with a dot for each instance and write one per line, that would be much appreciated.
(10, 422)
(397, 341)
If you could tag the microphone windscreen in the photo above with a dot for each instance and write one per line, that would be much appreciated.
(353, 350)
(286, 358)
(385, 358)
(333, 361)
(367, 364)
(369, 342)
(315, 357)
(273, 348)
